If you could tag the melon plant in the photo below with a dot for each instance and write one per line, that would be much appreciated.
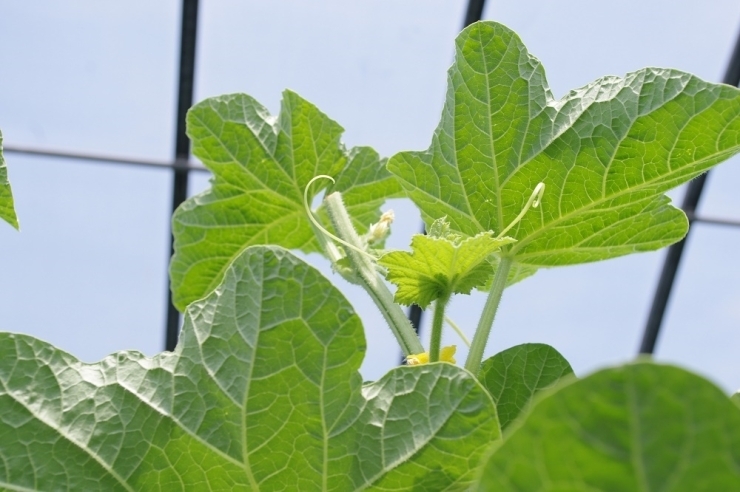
(263, 391)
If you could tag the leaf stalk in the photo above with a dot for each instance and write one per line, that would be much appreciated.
(483, 331)
(435, 344)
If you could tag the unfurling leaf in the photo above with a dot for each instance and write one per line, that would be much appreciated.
(441, 265)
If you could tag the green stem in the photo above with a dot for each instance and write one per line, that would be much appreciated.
(369, 277)
(334, 255)
(475, 356)
(436, 340)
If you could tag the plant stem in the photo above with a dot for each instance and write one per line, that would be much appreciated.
(327, 245)
(437, 322)
(475, 356)
(369, 277)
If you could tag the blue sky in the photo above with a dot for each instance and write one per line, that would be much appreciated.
(87, 271)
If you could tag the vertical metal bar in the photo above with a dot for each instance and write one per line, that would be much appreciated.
(415, 313)
(182, 144)
(473, 14)
(675, 252)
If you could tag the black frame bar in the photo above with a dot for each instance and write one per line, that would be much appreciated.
(61, 154)
(474, 13)
(182, 144)
(675, 251)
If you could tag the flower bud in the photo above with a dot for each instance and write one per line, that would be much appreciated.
(379, 231)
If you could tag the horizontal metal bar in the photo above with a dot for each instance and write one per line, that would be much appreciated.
(194, 167)
(716, 221)
(177, 164)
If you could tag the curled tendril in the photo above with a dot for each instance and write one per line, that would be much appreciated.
(312, 218)
(533, 202)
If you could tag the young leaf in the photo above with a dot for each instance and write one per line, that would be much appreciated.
(513, 377)
(7, 209)
(441, 264)
(639, 427)
(261, 166)
(607, 152)
(262, 393)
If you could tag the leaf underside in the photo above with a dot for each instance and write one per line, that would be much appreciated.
(513, 377)
(262, 393)
(7, 208)
(607, 152)
(640, 427)
(261, 166)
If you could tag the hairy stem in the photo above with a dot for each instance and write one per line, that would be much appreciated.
(436, 340)
(369, 278)
(327, 245)
(480, 339)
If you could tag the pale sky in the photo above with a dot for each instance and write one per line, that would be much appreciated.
(87, 272)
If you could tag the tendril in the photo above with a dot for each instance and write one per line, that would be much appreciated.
(322, 229)
(457, 329)
(533, 202)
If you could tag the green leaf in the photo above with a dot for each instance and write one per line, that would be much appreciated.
(606, 152)
(640, 427)
(736, 398)
(261, 166)
(7, 209)
(513, 377)
(440, 265)
(262, 393)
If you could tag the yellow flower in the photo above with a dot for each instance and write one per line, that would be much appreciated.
(447, 354)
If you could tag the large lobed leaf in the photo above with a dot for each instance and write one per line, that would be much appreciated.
(607, 152)
(7, 209)
(513, 377)
(636, 428)
(261, 166)
(262, 393)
